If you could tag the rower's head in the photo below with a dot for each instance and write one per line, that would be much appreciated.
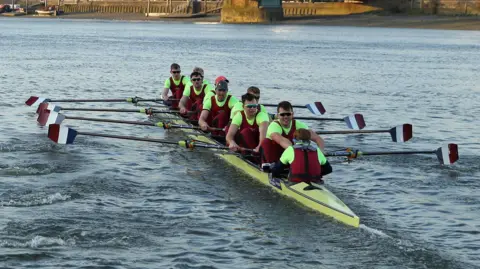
(302, 136)
(175, 71)
(197, 79)
(254, 91)
(199, 70)
(221, 78)
(285, 113)
(250, 104)
(221, 90)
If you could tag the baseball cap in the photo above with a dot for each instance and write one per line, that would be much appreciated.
(221, 78)
(222, 85)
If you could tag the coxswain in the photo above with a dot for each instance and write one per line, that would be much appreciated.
(216, 109)
(255, 91)
(248, 128)
(176, 84)
(307, 162)
(194, 95)
(280, 134)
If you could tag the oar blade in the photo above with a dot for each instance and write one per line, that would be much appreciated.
(34, 101)
(402, 133)
(355, 121)
(61, 134)
(316, 108)
(45, 105)
(448, 154)
(47, 117)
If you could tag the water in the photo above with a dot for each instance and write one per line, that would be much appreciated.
(106, 203)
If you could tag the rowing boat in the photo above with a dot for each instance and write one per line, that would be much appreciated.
(314, 196)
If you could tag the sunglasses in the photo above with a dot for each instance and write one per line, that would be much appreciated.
(176, 72)
(286, 114)
(222, 90)
(251, 106)
(196, 79)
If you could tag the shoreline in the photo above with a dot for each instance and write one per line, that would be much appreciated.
(471, 23)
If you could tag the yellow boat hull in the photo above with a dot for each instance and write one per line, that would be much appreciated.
(319, 198)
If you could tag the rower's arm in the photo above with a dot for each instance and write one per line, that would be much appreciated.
(317, 139)
(183, 102)
(203, 118)
(165, 93)
(263, 131)
(232, 130)
(326, 168)
(282, 141)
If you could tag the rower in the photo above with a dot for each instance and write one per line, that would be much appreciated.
(280, 133)
(216, 110)
(255, 91)
(194, 95)
(307, 162)
(176, 84)
(248, 127)
(205, 82)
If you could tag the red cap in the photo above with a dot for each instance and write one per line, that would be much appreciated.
(220, 78)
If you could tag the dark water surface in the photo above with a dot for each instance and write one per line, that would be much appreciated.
(105, 203)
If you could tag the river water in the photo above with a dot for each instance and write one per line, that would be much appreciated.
(106, 203)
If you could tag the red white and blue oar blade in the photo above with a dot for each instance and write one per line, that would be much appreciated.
(448, 154)
(402, 133)
(316, 108)
(47, 117)
(45, 105)
(34, 101)
(355, 121)
(61, 134)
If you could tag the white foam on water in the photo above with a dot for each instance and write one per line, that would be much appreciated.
(374, 231)
(36, 201)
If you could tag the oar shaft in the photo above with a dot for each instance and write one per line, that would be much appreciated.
(102, 109)
(319, 119)
(352, 132)
(141, 110)
(112, 121)
(275, 105)
(130, 100)
(399, 152)
(372, 153)
(129, 138)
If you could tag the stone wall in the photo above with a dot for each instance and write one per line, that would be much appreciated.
(248, 11)
(449, 7)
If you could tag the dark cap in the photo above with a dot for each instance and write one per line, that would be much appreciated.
(222, 85)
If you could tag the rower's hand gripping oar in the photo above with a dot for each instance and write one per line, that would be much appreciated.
(65, 135)
(401, 133)
(447, 154)
(35, 100)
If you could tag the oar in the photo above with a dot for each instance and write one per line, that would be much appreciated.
(316, 108)
(35, 100)
(447, 154)
(354, 121)
(64, 135)
(48, 117)
(148, 111)
(401, 133)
